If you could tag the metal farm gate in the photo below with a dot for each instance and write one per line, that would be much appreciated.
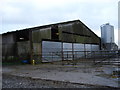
(57, 51)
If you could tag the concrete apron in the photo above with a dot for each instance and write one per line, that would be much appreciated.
(73, 77)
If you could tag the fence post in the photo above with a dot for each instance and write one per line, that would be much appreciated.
(62, 51)
(52, 55)
(72, 51)
(84, 51)
(67, 55)
(94, 56)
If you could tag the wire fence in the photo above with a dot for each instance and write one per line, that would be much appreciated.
(94, 56)
(69, 55)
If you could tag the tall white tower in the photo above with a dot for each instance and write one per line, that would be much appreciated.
(107, 35)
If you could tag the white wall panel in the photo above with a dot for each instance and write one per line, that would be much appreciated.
(95, 48)
(51, 51)
(67, 49)
(78, 48)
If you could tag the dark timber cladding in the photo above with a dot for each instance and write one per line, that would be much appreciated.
(75, 31)
(27, 43)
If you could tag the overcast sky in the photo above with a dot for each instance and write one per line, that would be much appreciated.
(20, 14)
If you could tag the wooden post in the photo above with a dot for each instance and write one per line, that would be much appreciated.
(31, 45)
(91, 50)
(62, 51)
(72, 51)
(67, 55)
(41, 52)
(52, 56)
(84, 51)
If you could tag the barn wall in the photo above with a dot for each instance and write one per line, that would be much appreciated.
(37, 52)
(37, 37)
(75, 33)
(40, 34)
(8, 47)
(85, 35)
(23, 49)
(14, 49)
(65, 37)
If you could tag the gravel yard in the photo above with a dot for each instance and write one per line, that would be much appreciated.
(10, 81)
(56, 76)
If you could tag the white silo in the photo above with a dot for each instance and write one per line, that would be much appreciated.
(107, 33)
(107, 36)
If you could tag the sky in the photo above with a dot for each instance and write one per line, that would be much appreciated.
(20, 14)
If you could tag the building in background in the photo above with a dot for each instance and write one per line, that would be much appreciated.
(107, 37)
(42, 43)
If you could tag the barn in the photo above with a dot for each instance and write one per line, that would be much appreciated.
(55, 42)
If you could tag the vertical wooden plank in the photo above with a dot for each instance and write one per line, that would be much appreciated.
(84, 50)
(31, 45)
(62, 51)
(41, 52)
(91, 51)
(72, 51)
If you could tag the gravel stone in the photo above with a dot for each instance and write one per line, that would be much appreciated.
(10, 81)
